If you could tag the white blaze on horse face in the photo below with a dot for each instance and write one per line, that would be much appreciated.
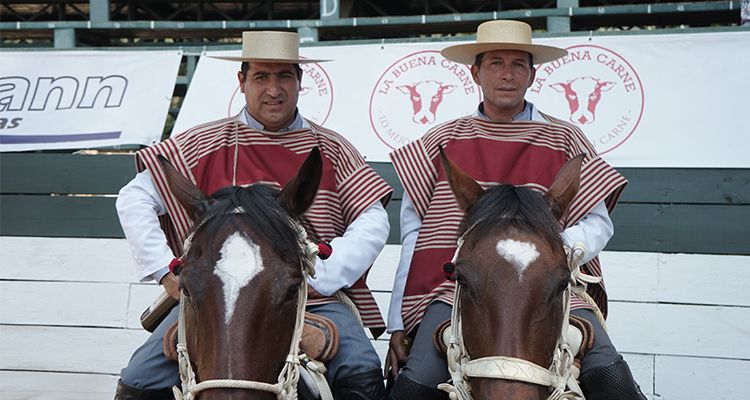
(518, 254)
(240, 262)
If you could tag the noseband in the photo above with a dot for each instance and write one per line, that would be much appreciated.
(286, 386)
(557, 377)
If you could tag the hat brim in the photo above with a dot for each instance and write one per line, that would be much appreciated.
(269, 60)
(467, 53)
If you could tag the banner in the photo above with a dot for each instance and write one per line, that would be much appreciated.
(650, 100)
(84, 99)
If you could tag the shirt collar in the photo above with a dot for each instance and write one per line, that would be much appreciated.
(298, 123)
(529, 113)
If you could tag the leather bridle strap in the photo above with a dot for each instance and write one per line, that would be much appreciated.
(555, 378)
(286, 387)
(511, 368)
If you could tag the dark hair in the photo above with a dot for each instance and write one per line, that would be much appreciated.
(266, 216)
(246, 66)
(508, 206)
(480, 57)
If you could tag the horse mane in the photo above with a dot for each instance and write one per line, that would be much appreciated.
(266, 215)
(507, 206)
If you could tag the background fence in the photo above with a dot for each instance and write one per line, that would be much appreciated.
(677, 270)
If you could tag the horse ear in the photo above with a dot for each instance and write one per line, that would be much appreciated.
(187, 194)
(466, 189)
(298, 194)
(565, 187)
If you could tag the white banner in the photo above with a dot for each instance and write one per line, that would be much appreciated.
(84, 99)
(651, 100)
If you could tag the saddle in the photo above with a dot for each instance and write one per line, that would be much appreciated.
(320, 339)
(580, 337)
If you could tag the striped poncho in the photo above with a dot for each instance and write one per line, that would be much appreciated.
(519, 152)
(228, 152)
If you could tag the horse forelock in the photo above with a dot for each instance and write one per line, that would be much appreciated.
(266, 218)
(506, 206)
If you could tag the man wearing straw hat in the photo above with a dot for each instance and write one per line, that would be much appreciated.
(507, 139)
(267, 141)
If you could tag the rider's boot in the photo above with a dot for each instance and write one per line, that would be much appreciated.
(127, 392)
(611, 382)
(406, 388)
(364, 386)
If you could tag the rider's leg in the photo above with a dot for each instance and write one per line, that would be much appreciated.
(604, 373)
(355, 372)
(125, 392)
(149, 372)
(425, 368)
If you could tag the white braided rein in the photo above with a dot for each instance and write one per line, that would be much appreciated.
(559, 375)
(286, 386)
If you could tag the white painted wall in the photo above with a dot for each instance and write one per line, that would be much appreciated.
(69, 312)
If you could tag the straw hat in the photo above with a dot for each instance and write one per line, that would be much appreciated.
(270, 47)
(502, 35)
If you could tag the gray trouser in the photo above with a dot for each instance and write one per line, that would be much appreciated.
(150, 369)
(425, 365)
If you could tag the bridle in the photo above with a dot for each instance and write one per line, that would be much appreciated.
(286, 386)
(557, 377)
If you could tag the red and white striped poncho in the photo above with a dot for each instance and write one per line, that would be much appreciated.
(228, 152)
(518, 152)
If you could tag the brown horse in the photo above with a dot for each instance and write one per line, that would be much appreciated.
(512, 275)
(242, 281)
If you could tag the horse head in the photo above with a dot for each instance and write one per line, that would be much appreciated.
(242, 274)
(512, 273)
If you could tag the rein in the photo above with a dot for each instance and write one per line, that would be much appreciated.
(286, 386)
(557, 377)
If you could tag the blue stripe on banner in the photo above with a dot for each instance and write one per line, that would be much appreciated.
(79, 137)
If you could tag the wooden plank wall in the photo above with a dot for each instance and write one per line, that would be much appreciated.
(697, 210)
(678, 274)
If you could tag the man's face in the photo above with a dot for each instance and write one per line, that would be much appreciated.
(504, 76)
(271, 92)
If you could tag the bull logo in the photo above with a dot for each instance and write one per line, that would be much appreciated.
(603, 94)
(418, 92)
(425, 97)
(583, 94)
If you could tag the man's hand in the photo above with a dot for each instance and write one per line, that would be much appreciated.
(313, 294)
(171, 285)
(396, 357)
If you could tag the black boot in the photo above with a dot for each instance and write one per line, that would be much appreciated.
(364, 386)
(126, 392)
(613, 382)
(406, 388)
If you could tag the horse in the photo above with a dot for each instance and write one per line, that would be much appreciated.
(512, 289)
(243, 286)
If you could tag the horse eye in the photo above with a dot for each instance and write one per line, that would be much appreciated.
(460, 280)
(182, 288)
(563, 286)
(291, 294)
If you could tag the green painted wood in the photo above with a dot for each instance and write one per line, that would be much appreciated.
(687, 185)
(59, 216)
(681, 228)
(394, 212)
(387, 172)
(681, 210)
(37, 173)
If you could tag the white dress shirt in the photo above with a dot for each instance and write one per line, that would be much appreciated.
(139, 205)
